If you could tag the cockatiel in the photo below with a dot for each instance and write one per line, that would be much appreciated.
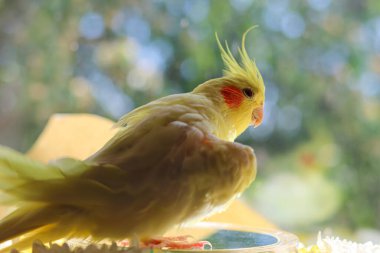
(172, 161)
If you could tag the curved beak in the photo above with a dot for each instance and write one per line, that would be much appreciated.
(257, 116)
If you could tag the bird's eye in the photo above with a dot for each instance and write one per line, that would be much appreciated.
(248, 92)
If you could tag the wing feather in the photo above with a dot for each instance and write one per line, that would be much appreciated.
(168, 174)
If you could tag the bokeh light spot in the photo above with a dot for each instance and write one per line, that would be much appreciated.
(292, 25)
(91, 26)
(289, 120)
(273, 12)
(196, 10)
(241, 5)
(319, 5)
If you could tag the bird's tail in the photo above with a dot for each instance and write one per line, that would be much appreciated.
(33, 222)
(26, 219)
(17, 169)
(30, 219)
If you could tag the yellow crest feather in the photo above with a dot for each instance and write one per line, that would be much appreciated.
(247, 70)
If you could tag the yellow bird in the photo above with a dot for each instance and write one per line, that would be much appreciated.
(172, 161)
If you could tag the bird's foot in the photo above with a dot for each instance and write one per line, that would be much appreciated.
(174, 242)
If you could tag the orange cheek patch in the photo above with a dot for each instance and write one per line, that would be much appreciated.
(233, 96)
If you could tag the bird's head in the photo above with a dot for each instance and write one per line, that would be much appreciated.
(240, 93)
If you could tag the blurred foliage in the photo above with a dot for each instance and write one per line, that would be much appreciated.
(319, 146)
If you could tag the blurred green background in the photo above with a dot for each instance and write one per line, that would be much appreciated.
(319, 146)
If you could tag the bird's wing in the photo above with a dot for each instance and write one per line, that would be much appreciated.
(175, 172)
(166, 163)
(134, 125)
